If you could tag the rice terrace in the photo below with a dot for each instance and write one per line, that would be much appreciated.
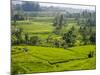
(50, 37)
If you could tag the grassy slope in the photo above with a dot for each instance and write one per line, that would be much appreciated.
(45, 59)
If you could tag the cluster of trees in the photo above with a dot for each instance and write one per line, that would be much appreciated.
(30, 6)
(16, 37)
(70, 37)
(21, 10)
(18, 17)
(59, 22)
(20, 38)
(85, 33)
(27, 6)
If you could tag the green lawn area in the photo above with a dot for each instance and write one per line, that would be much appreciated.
(47, 59)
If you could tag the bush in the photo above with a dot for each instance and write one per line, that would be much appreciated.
(34, 40)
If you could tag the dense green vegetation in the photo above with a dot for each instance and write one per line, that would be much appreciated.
(45, 41)
(46, 59)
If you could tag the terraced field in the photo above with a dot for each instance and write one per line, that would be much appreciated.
(47, 59)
